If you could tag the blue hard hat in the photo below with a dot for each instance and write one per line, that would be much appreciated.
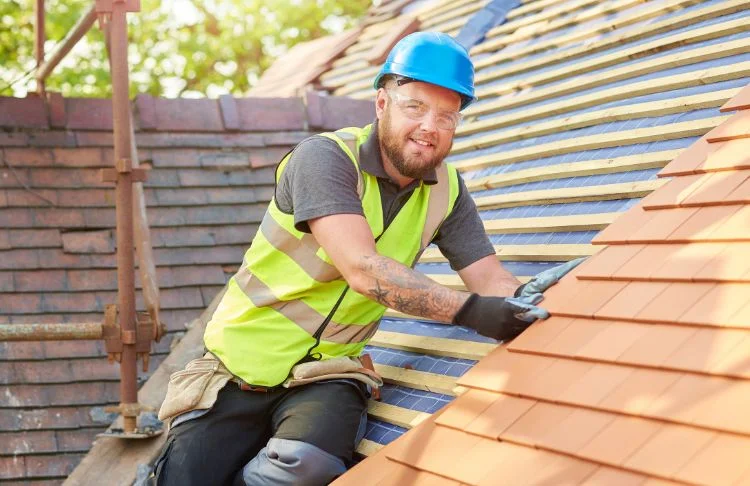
(435, 58)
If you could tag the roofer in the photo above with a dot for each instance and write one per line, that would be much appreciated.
(280, 399)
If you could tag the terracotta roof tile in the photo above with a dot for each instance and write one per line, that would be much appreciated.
(624, 226)
(728, 156)
(607, 476)
(676, 299)
(595, 384)
(703, 222)
(673, 192)
(690, 160)
(741, 194)
(656, 345)
(499, 367)
(466, 408)
(734, 228)
(684, 397)
(612, 339)
(590, 297)
(714, 188)
(631, 299)
(718, 305)
(704, 349)
(669, 449)
(487, 456)
(540, 334)
(532, 426)
(537, 466)
(586, 423)
(619, 440)
(662, 224)
(500, 415)
(444, 445)
(738, 126)
(553, 381)
(740, 101)
(577, 333)
(722, 461)
(638, 391)
(608, 261)
(735, 361)
(398, 474)
(686, 261)
(558, 469)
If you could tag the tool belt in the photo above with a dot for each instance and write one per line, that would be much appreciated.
(345, 367)
(198, 385)
(194, 388)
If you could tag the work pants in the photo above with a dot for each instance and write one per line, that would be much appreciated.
(261, 432)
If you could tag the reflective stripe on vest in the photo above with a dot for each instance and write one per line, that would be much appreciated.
(288, 286)
(299, 312)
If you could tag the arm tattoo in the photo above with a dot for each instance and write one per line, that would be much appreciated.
(403, 289)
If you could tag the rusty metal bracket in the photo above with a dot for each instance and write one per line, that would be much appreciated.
(114, 336)
(104, 10)
(106, 6)
(111, 333)
(110, 175)
(143, 419)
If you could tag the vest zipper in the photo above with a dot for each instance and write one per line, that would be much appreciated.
(319, 332)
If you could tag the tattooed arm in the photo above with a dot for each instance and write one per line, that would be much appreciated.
(348, 240)
(487, 277)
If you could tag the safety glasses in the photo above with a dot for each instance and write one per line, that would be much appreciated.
(415, 109)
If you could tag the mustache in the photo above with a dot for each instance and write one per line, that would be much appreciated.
(424, 136)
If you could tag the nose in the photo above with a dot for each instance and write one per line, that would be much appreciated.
(428, 122)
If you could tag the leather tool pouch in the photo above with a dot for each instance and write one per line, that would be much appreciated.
(336, 368)
(195, 387)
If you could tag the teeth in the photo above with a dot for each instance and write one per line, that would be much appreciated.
(420, 142)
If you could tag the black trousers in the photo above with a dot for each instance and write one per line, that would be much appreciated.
(212, 449)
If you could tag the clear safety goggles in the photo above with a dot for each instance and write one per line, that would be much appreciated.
(415, 109)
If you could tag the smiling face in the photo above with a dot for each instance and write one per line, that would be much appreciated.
(412, 148)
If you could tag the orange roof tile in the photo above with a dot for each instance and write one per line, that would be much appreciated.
(642, 374)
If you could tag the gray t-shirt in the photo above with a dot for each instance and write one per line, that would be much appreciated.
(320, 180)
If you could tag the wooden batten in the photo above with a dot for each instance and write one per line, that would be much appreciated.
(670, 131)
(621, 113)
(454, 348)
(607, 192)
(699, 54)
(419, 380)
(653, 160)
(575, 222)
(538, 253)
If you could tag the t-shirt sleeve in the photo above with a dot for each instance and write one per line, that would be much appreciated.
(318, 180)
(461, 237)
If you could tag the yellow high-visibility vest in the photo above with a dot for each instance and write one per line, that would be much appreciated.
(275, 306)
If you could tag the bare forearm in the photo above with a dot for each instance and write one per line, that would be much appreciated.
(403, 289)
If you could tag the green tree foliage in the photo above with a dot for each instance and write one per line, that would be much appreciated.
(178, 47)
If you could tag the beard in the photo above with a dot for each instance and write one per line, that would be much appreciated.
(414, 165)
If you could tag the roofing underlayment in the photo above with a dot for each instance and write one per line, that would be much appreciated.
(640, 376)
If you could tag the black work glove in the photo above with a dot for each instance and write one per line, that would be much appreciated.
(501, 318)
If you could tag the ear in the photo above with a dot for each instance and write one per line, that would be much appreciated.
(380, 101)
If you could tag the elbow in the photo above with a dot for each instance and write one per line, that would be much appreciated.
(357, 281)
(357, 276)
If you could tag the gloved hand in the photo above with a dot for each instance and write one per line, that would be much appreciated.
(501, 318)
(546, 279)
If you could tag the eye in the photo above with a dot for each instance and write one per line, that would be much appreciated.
(415, 107)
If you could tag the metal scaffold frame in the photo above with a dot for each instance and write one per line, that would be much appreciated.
(127, 334)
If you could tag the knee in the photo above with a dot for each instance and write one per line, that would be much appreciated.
(292, 462)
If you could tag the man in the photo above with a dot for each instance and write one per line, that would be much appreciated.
(351, 214)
